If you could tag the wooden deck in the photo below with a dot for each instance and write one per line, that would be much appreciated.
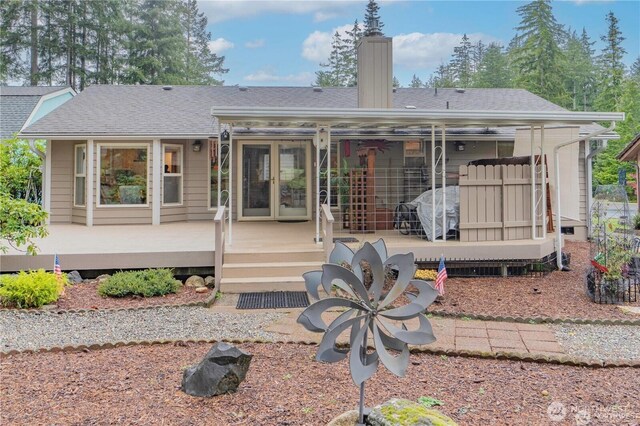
(192, 245)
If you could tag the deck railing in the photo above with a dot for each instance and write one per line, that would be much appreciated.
(327, 230)
(219, 243)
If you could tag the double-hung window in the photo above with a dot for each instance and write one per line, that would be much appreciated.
(80, 175)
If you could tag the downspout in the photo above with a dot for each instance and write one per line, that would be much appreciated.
(589, 169)
(557, 178)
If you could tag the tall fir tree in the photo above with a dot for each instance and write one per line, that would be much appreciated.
(580, 70)
(372, 23)
(493, 71)
(634, 70)
(416, 82)
(353, 37)
(611, 65)
(461, 64)
(537, 56)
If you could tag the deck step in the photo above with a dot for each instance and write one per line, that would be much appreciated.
(274, 256)
(270, 269)
(256, 284)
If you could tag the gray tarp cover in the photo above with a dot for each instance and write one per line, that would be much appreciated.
(423, 206)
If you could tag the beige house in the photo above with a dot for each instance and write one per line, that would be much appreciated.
(272, 171)
(631, 153)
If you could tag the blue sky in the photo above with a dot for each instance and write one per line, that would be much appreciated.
(281, 43)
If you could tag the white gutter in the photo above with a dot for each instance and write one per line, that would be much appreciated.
(408, 115)
(589, 169)
(557, 177)
(114, 137)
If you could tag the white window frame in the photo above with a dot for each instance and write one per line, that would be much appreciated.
(76, 175)
(180, 175)
(99, 173)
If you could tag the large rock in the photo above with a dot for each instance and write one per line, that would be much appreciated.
(209, 281)
(221, 371)
(74, 277)
(349, 418)
(194, 281)
(402, 412)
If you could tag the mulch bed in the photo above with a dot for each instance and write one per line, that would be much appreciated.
(285, 386)
(85, 296)
(558, 295)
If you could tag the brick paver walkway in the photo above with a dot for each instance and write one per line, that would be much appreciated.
(456, 334)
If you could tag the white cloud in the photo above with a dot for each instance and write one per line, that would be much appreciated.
(219, 45)
(581, 2)
(267, 76)
(419, 50)
(217, 11)
(317, 46)
(254, 44)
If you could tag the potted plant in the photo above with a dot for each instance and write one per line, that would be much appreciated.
(636, 224)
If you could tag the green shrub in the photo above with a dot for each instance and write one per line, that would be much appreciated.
(147, 283)
(636, 222)
(31, 289)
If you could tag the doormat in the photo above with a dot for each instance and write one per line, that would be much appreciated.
(343, 239)
(273, 300)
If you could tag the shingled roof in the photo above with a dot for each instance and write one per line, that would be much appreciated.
(17, 104)
(185, 110)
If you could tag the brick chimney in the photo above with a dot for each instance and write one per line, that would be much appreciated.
(375, 71)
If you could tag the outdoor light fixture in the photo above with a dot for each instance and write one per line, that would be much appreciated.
(224, 136)
(197, 145)
(459, 146)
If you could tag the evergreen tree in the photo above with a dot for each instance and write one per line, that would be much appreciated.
(200, 63)
(416, 82)
(536, 54)
(396, 83)
(493, 71)
(611, 66)
(634, 71)
(13, 30)
(461, 65)
(579, 77)
(478, 51)
(338, 72)
(372, 22)
(351, 54)
(442, 77)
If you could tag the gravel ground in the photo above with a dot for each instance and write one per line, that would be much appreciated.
(21, 330)
(601, 342)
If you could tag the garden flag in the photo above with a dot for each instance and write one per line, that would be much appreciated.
(442, 275)
(56, 268)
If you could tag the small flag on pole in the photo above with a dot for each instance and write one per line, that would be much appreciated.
(441, 277)
(56, 268)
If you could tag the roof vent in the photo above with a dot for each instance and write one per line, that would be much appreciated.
(317, 89)
(167, 87)
(394, 90)
(409, 107)
(460, 90)
(243, 88)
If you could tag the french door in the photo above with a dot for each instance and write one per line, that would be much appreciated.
(275, 181)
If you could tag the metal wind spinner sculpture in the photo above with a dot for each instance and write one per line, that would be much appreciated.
(368, 311)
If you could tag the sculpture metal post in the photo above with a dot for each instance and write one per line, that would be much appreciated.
(369, 311)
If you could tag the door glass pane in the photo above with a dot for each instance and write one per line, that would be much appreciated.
(293, 180)
(256, 180)
(79, 197)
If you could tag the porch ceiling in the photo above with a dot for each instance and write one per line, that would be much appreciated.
(389, 118)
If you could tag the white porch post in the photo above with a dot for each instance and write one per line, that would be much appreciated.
(89, 185)
(317, 184)
(156, 174)
(533, 182)
(433, 182)
(219, 157)
(543, 178)
(444, 182)
(329, 167)
(230, 179)
(46, 190)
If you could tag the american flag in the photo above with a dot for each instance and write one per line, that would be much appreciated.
(56, 268)
(442, 275)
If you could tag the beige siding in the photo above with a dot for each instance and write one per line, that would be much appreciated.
(62, 181)
(110, 215)
(196, 183)
(474, 150)
(375, 72)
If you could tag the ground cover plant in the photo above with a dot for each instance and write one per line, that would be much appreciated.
(145, 283)
(31, 289)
